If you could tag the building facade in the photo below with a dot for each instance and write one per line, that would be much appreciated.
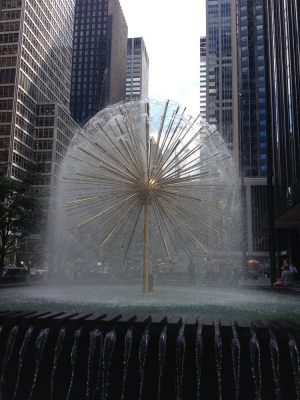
(203, 77)
(99, 57)
(221, 66)
(137, 73)
(35, 81)
(252, 73)
(284, 119)
(35, 69)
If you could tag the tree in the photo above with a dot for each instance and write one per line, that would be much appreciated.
(18, 205)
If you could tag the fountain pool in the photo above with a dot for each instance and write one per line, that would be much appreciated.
(184, 301)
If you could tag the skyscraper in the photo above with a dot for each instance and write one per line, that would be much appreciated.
(137, 74)
(35, 78)
(252, 87)
(203, 77)
(252, 60)
(221, 78)
(99, 57)
(284, 88)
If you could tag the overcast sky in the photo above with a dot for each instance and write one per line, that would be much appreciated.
(171, 30)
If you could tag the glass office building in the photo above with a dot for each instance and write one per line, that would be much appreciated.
(221, 59)
(137, 73)
(35, 69)
(252, 69)
(252, 41)
(99, 57)
(203, 77)
(284, 87)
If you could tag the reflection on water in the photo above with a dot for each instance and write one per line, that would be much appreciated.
(165, 300)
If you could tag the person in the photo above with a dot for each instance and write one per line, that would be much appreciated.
(292, 268)
(286, 278)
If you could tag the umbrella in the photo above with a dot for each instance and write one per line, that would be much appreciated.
(252, 262)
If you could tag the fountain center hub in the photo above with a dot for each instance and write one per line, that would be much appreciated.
(149, 187)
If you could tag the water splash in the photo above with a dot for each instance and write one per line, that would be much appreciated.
(22, 354)
(96, 392)
(77, 336)
(191, 182)
(294, 353)
(142, 358)
(40, 345)
(95, 339)
(236, 361)
(109, 344)
(127, 351)
(254, 348)
(180, 354)
(8, 352)
(57, 352)
(274, 352)
(162, 349)
(199, 356)
(218, 354)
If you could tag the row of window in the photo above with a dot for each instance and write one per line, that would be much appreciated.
(61, 149)
(5, 130)
(65, 122)
(62, 139)
(9, 26)
(24, 137)
(5, 116)
(24, 111)
(7, 49)
(6, 15)
(42, 156)
(21, 161)
(43, 144)
(26, 100)
(25, 125)
(9, 38)
(43, 133)
(17, 172)
(8, 61)
(23, 150)
(67, 131)
(7, 4)
(6, 104)
(45, 109)
(45, 121)
(4, 142)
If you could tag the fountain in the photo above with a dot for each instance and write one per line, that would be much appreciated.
(144, 181)
(147, 192)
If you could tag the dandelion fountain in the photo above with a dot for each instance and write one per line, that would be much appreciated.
(146, 171)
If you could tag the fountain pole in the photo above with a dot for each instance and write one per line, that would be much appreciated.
(146, 209)
(146, 246)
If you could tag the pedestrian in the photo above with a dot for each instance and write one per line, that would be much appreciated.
(286, 278)
(292, 267)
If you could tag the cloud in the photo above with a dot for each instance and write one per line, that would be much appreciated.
(171, 30)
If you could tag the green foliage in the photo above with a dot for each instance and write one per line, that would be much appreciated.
(18, 207)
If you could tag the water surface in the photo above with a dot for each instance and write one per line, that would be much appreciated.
(186, 301)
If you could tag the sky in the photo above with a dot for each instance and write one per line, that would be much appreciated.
(171, 30)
